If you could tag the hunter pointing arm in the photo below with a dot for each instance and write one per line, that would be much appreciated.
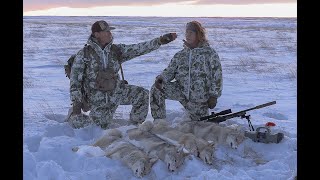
(133, 50)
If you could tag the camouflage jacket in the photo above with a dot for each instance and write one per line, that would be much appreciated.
(198, 71)
(84, 69)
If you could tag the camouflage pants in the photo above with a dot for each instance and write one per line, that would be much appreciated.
(104, 105)
(172, 91)
(79, 121)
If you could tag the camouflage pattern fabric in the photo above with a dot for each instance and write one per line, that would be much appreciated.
(172, 91)
(79, 121)
(104, 104)
(197, 75)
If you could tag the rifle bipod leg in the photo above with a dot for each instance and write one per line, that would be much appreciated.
(249, 123)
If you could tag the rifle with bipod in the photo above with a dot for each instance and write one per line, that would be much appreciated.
(227, 114)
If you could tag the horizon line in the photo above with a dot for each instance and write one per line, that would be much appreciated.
(161, 16)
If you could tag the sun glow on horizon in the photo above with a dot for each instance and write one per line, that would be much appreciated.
(176, 10)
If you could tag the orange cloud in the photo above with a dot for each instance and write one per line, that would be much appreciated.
(32, 5)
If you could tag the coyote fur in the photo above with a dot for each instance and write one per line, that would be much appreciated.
(230, 135)
(138, 161)
(155, 147)
(105, 140)
(117, 148)
(196, 146)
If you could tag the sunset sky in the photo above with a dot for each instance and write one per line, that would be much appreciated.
(173, 8)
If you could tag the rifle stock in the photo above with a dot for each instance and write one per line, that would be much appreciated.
(220, 117)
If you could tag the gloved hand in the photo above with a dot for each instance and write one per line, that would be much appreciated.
(124, 81)
(212, 102)
(76, 108)
(104, 126)
(165, 39)
(159, 83)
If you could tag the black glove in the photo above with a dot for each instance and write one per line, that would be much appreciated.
(165, 39)
(212, 102)
(104, 126)
(124, 81)
(76, 108)
(159, 82)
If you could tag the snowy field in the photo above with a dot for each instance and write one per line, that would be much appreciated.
(259, 62)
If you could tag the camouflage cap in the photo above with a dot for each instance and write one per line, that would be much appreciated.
(101, 26)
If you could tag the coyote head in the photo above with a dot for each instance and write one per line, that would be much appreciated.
(207, 153)
(143, 166)
(174, 157)
(235, 139)
(139, 168)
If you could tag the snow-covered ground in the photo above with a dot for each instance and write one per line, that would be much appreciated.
(259, 61)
